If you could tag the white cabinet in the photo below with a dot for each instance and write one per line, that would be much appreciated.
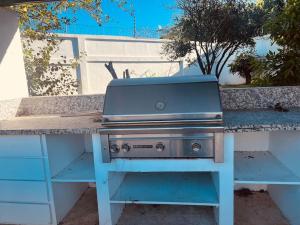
(25, 184)
(19, 213)
(23, 191)
(20, 146)
(21, 169)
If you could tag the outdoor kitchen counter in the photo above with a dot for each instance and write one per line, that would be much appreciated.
(261, 120)
(235, 121)
(51, 124)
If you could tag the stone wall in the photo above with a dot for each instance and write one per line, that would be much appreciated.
(232, 99)
(260, 97)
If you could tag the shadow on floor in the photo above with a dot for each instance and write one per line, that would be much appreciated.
(254, 209)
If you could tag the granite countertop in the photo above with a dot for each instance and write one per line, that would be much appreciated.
(261, 120)
(235, 121)
(54, 124)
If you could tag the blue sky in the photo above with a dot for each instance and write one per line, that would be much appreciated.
(150, 15)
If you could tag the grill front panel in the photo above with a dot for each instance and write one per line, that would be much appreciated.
(162, 146)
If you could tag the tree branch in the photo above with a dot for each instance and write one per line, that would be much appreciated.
(226, 59)
(199, 58)
(126, 74)
(206, 54)
(221, 59)
(109, 66)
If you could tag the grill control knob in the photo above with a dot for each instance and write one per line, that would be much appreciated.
(114, 148)
(125, 148)
(160, 147)
(196, 147)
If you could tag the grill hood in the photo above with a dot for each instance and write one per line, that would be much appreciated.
(180, 99)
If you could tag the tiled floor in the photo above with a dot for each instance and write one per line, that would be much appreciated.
(253, 209)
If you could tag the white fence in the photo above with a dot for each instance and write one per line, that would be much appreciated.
(142, 57)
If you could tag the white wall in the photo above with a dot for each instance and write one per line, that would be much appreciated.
(142, 57)
(13, 82)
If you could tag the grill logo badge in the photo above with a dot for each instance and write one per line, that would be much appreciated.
(160, 106)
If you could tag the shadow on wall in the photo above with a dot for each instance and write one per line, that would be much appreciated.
(8, 28)
(225, 78)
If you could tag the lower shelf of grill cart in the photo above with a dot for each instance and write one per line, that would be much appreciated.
(167, 188)
(80, 170)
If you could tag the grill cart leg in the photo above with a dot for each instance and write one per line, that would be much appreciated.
(225, 212)
(108, 213)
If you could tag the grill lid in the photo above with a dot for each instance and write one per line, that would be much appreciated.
(163, 100)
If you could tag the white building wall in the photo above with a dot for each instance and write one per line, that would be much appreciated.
(262, 46)
(142, 57)
(13, 82)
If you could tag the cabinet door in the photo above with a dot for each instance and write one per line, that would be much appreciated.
(21, 169)
(20, 146)
(15, 213)
(23, 191)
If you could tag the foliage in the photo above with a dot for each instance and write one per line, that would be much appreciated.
(214, 30)
(283, 67)
(285, 28)
(45, 78)
(258, 75)
(37, 22)
(244, 65)
(271, 8)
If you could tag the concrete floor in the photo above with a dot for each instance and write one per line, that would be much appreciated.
(250, 209)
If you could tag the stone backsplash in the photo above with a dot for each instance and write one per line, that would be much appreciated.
(51, 105)
(232, 99)
(260, 97)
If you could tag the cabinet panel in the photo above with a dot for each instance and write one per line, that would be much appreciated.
(21, 169)
(13, 213)
(23, 191)
(20, 146)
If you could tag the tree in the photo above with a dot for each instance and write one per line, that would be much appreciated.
(243, 65)
(38, 21)
(282, 67)
(285, 27)
(271, 7)
(45, 78)
(213, 30)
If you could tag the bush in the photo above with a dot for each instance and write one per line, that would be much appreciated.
(283, 67)
(243, 65)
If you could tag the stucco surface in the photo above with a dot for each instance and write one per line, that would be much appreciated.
(13, 82)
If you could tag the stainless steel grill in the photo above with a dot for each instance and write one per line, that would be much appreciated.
(170, 117)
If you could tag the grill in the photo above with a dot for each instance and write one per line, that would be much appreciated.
(167, 117)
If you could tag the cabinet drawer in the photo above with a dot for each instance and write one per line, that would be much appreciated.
(14, 213)
(21, 169)
(20, 146)
(23, 191)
